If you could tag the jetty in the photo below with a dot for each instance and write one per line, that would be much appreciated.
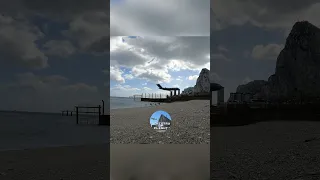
(89, 115)
(175, 95)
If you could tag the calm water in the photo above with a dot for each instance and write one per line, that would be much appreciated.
(123, 102)
(21, 130)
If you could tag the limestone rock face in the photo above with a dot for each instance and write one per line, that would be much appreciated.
(203, 82)
(253, 87)
(297, 68)
(202, 86)
(187, 91)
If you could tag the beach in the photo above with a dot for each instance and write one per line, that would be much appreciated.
(160, 162)
(190, 124)
(58, 163)
(266, 150)
(38, 146)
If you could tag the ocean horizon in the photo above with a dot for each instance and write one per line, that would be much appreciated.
(127, 102)
(29, 130)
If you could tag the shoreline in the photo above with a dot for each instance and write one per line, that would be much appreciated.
(190, 124)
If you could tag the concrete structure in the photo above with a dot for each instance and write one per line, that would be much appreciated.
(220, 96)
(217, 92)
(175, 91)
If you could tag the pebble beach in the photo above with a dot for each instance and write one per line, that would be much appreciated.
(274, 150)
(190, 124)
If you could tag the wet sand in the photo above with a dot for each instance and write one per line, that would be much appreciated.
(190, 124)
(58, 163)
(266, 150)
(160, 162)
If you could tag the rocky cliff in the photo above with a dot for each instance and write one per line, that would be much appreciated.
(202, 86)
(203, 82)
(297, 68)
(188, 91)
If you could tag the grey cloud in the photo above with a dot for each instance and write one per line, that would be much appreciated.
(90, 31)
(61, 48)
(154, 17)
(30, 92)
(65, 8)
(264, 13)
(88, 20)
(155, 78)
(222, 48)
(17, 43)
(186, 48)
(268, 52)
(215, 57)
(162, 54)
(126, 58)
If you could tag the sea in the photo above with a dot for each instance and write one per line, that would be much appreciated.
(28, 130)
(126, 102)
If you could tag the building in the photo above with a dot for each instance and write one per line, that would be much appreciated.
(217, 94)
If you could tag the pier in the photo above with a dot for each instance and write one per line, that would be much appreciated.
(89, 115)
(174, 90)
(158, 97)
(174, 96)
(67, 113)
(154, 97)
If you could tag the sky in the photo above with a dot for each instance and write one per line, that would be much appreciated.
(138, 63)
(156, 115)
(171, 47)
(53, 54)
(247, 37)
(160, 18)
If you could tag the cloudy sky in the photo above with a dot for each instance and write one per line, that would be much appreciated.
(53, 54)
(247, 36)
(159, 18)
(138, 63)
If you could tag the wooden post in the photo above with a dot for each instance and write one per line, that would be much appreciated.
(99, 110)
(70, 113)
(77, 114)
(102, 107)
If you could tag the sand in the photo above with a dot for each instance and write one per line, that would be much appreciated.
(160, 162)
(59, 163)
(266, 150)
(190, 124)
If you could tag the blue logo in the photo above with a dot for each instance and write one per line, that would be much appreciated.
(160, 121)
